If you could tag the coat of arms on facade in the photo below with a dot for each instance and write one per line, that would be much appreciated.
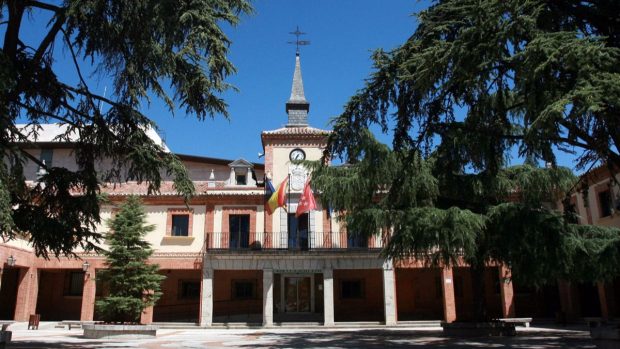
(298, 177)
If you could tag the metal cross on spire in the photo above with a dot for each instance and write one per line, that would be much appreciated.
(298, 42)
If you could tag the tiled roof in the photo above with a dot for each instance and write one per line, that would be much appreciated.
(55, 133)
(297, 131)
(167, 189)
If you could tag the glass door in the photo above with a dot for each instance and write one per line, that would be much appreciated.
(298, 231)
(297, 294)
(239, 226)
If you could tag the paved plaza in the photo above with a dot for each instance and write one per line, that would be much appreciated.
(534, 337)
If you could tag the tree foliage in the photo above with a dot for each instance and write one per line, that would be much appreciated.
(134, 285)
(144, 46)
(528, 73)
(476, 80)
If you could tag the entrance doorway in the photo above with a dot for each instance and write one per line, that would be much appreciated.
(297, 294)
(8, 292)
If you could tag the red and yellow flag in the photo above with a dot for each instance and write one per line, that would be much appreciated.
(278, 198)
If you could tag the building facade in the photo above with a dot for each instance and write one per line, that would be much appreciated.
(226, 259)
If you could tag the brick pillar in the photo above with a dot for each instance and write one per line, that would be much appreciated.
(389, 293)
(27, 292)
(567, 304)
(206, 297)
(147, 316)
(328, 297)
(507, 292)
(602, 296)
(88, 297)
(447, 287)
(268, 297)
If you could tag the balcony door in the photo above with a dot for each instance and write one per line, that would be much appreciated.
(298, 231)
(239, 225)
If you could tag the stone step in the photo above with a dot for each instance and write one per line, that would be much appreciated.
(419, 323)
(177, 325)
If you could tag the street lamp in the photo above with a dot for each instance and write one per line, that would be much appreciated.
(85, 266)
(11, 261)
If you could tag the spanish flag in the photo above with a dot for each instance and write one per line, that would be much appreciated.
(278, 198)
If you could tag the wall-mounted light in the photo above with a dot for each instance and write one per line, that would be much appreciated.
(11, 261)
(85, 266)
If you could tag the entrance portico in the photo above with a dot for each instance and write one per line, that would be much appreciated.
(299, 287)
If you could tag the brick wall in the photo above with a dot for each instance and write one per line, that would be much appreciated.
(367, 308)
(464, 302)
(224, 305)
(172, 306)
(418, 293)
(52, 303)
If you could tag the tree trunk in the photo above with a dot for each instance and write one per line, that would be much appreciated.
(478, 289)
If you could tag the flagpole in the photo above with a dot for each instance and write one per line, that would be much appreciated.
(309, 237)
(288, 199)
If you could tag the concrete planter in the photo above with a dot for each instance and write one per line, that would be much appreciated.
(479, 329)
(96, 331)
(5, 338)
(606, 337)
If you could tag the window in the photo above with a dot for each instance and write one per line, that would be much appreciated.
(604, 199)
(239, 225)
(180, 225)
(189, 289)
(74, 283)
(351, 289)
(356, 240)
(241, 179)
(47, 155)
(244, 289)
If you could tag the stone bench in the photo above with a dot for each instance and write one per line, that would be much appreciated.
(98, 331)
(518, 321)
(5, 336)
(68, 324)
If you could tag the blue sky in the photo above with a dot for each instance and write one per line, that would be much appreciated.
(342, 33)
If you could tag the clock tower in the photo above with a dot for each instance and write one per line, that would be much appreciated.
(296, 141)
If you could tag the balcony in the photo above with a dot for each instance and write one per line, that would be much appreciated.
(299, 241)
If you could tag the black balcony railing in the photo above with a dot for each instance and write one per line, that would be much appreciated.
(299, 241)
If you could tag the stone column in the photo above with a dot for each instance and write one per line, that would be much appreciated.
(507, 292)
(267, 297)
(389, 293)
(88, 297)
(27, 293)
(206, 297)
(447, 287)
(328, 297)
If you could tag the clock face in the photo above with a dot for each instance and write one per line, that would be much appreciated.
(297, 155)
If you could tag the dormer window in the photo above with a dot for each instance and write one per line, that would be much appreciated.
(241, 179)
(241, 173)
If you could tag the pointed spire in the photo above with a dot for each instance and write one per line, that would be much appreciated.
(297, 106)
(297, 91)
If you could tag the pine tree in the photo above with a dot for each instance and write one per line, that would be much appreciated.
(133, 283)
(476, 80)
